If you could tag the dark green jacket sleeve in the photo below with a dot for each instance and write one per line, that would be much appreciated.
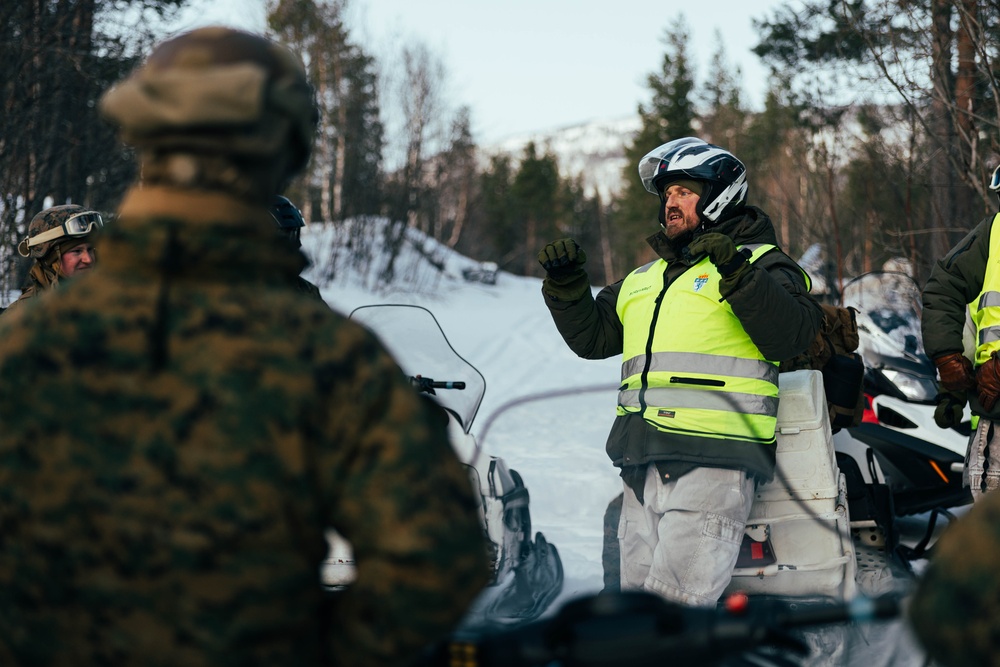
(590, 326)
(955, 281)
(775, 308)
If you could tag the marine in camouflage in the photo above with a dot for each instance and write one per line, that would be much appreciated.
(955, 611)
(179, 428)
(46, 269)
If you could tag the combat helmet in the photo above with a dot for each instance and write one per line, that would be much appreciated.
(723, 176)
(218, 92)
(58, 227)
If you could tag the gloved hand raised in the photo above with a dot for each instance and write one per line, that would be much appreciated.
(988, 382)
(950, 408)
(731, 262)
(563, 261)
(955, 371)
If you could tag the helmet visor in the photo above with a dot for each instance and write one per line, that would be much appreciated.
(658, 161)
(77, 225)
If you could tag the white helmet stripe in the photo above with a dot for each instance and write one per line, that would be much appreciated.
(689, 160)
(737, 190)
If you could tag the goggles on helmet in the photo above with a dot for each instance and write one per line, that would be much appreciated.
(77, 225)
(995, 180)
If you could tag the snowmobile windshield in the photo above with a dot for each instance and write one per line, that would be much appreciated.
(889, 310)
(416, 340)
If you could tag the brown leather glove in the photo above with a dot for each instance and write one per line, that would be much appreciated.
(988, 379)
(955, 371)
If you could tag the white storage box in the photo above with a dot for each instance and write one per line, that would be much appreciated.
(806, 462)
(802, 514)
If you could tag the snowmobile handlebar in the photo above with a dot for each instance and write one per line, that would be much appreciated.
(641, 629)
(427, 385)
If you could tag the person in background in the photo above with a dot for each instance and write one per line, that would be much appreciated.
(60, 241)
(701, 331)
(962, 283)
(181, 426)
(289, 220)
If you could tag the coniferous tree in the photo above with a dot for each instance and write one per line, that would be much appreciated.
(935, 57)
(497, 220)
(535, 195)
(586, 220)
(669, 116)
(725, 118)
(58, 59)
(344, 175)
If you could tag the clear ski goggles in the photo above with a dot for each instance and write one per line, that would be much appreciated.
(76, 225)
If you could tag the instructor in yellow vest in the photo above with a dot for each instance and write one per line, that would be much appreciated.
(954, 611)
(966, 282)
(701, 331)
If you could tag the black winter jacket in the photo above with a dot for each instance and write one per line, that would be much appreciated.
(956, 281)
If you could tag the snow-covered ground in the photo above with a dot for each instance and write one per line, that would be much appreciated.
(557, 444)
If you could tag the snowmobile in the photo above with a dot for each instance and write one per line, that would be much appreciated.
(898, 441)
(527, 573)
(812, 560)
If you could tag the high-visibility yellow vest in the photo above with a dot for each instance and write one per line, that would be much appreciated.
(986, 308)
(688, 366)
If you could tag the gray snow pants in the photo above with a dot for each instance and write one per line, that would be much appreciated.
(684, 541)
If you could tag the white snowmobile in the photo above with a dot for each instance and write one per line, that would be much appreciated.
(527, 570)
(898, 441)
(816, 583)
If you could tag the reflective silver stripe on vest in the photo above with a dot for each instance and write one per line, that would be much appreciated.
(989, 299)
(693, 362)
(989, 335)
(725, 401)
(645, 267)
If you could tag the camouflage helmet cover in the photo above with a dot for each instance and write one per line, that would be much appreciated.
(217, 90)
(49, 219)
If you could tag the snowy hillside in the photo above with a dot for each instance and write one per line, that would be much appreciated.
(595, 150)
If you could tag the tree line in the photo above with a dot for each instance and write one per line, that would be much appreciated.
(876, 139)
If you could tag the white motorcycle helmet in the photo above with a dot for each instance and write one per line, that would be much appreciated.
(723, 176)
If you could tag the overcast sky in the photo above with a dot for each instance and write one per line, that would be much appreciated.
(534, 65)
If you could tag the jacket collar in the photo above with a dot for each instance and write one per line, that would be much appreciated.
(752, 225)
(163, 230)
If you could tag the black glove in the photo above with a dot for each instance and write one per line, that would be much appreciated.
(563, 261)
(950, 408)
(731, 262)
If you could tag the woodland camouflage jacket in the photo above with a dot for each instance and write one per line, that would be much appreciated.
(178, 429)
